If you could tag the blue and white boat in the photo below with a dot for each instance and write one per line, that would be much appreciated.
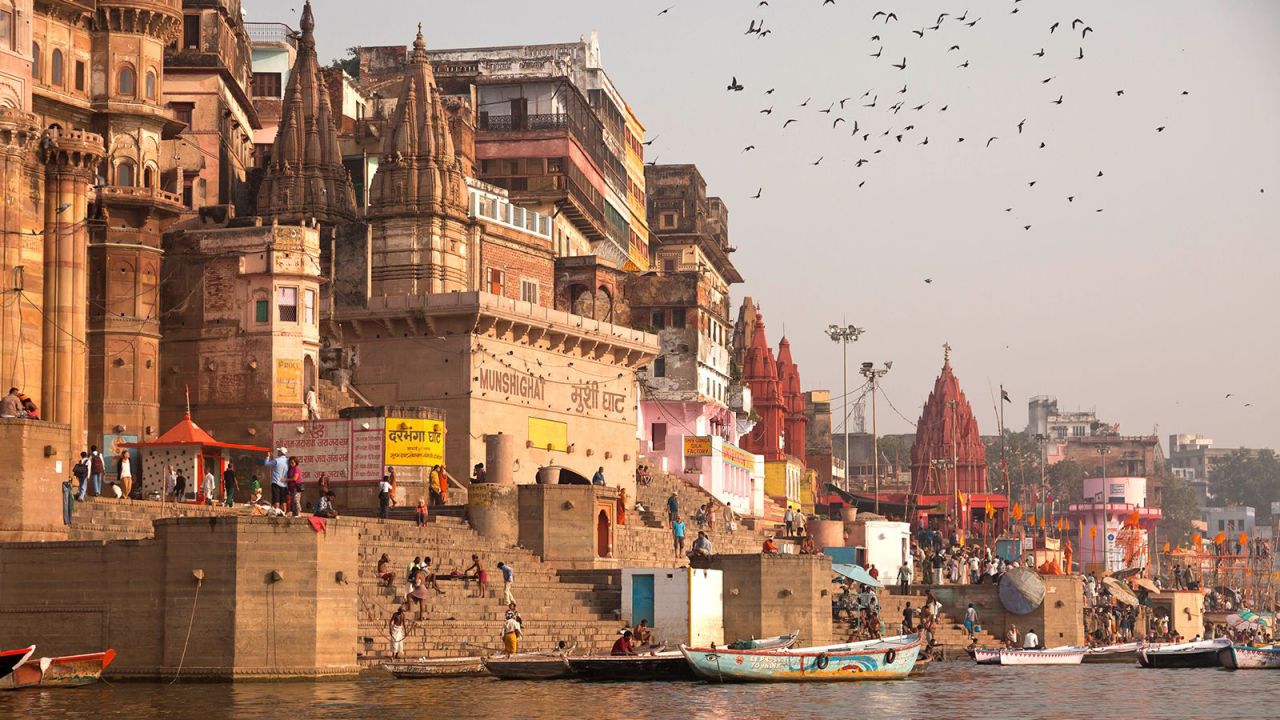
(1247, 657)
(889, 658)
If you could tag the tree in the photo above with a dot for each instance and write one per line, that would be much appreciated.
(1066, 481)
(1245, 479)
(1178, 508)
(349, 64)
(895, 451)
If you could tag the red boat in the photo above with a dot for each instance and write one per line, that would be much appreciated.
(10, 659)
(68, 671)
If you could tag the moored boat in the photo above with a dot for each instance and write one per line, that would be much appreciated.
(436, 667)
(1245, 657)
(1049, 656)
(985, 656)
(1120, 653)
(1198, 654)
(660, 665)
(10, 659)
(67, 671)
(880, 659)
(529, 666)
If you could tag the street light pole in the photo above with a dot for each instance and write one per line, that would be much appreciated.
(870, 372)
(1104, 450)
(844, 336)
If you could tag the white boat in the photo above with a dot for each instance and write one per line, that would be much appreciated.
(986, 656)
(1119, 653)
(1195, 654)
(1244, 657)
(890, 658)
(1065, 655)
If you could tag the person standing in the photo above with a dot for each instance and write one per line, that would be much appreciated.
(904, 578)
(97, 469)
(396, 626)
(970, 620)
(673, 508)
(598, 478)
(677, 537)
(384, 498)
(210, 486)
(81, 473)
(789, 519)
(908, 619)
(511, 633)
(279, 478)
(508, 579)
(390, 477)
(293, 487)
(420, 513)
(437, 498)
(230, 484)
(180, 487)
(124, 473)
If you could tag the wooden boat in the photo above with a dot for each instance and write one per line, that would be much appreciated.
(10, 659)
(777, 642)
(548, 665)
(880, 659)
(68, 671)
(1050, 656)
(1199, 654)
(659, 665)
(436, 667)
(1244, 657)
(1120, 653)
(984, 656)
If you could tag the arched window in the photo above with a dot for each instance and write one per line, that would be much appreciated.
(55, 67)
(124, 173)
(35, 60)
(149, 177)
(128, 84)
(150, 85)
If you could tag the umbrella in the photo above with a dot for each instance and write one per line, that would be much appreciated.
(1021, 591)
(1119, 591)
(856, 574)
(1145, 583)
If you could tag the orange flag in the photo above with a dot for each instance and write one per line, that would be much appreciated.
(1093, 531)
(1134, 518)
(1031, 519)
(1220, 538)
(991, 511)
(1041, 523)
(1244, 539)
(1165, 548)
(1059, 524)
(1195, 539)
(1017, 511)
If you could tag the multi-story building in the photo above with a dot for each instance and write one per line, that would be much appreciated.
(1044, 418)
(688, 427)
(274, 51)
(207, 78)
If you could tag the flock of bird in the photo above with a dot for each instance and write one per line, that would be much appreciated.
(882, 120)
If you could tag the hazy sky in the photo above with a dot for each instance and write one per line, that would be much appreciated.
(1150, 311)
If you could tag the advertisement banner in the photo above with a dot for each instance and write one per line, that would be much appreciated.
(739, 458)
(697, 445)
(366, 453)
(411, 441)
(323, 447)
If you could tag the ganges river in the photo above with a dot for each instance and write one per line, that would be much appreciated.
(949, 690)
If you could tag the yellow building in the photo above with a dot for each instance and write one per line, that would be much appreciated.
(782, 483)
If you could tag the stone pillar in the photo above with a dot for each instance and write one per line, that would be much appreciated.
(20, 247)
(499, 459)
(70, 158)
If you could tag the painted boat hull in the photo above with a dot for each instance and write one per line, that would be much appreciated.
(67, 671)
(436, 668)
(1203, 654)
(892, 659)
(11, 659)
(1241, 657)
(541, 668)
(1041, 657)
(986, 656)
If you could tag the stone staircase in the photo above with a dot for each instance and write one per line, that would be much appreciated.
(948, 633)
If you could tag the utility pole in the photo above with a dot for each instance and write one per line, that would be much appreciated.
(1104, 450)
(1044, 457)
(870, 372)
(955, 472)
(844, 336)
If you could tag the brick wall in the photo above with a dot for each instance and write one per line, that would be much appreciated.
(517, 261)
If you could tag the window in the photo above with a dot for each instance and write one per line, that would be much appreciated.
(127, 84)
(182, 112)
(150, 85)
(266, 85)
(35, 60)
(659, 437)
(657, 319)
(666, 220)
(287, 300)
(80, 75)
(124, 174)
(677, 317)
(55, 67)
(309, 307)
(191, 32)
(529, 291)
(555, 165)
(668, 266)
(262, 311)
(497, 281)
(1077, 430)
(6, 29)
(660, 367)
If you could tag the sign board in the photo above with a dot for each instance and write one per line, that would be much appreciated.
(413, 441)
(366, 452)
(288, 387)
(738, 457)
(697, 445)
(548, 434)
(111, 451)
(323, 447)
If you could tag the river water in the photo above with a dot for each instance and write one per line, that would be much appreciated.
(948, 690)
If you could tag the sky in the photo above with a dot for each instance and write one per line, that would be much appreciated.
(1148, 293)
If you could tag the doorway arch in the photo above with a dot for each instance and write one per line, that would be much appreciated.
(603, 548)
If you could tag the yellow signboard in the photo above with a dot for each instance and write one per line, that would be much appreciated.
(413, 441)
(737, 457)
(548, 434)
(288, 381)
(697, 445)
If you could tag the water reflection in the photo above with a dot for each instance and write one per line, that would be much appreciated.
(953, 690)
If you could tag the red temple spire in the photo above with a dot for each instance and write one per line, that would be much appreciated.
(947, 433)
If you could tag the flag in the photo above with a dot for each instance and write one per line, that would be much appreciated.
(1195, 539)
(1004, 395)
(1220, 538)
(1244, 539)
(1031, 519)
(991, 511)
(1134, 518)
(1166, 547)
(1059, 524)
(1093, 531)
(1042, 523)
(1017, 511)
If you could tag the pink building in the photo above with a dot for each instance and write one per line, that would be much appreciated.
(697, 441)
(1109, 538)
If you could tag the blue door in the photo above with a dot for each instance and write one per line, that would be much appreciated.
(642, 599)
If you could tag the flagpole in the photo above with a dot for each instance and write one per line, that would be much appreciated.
(1004, 467)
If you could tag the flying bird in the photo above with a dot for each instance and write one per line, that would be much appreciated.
(903, 91)
(887, 16)
(1076, 22)
(845, 100)
(953, 47)
(767, 111)
(651, 140)
(926, 140)
(829, 108)
(1024, 122)
(1071, 198)
(919, 32)
(1119, 93)
(964, 64)
(1039, 54)
(837, 121)
(763, 33)
(1099, 173)
(769, 91)
(788, 122)
(806, 101)
(664, 12)
(1058, 101)
(752, 28)
(1047, 80)
(1160, 129)
(974, 22)
(1032, 183)
(991, 140)
(757, 195)
(1053, 27)
(903, 66)
(1026, 227)
(1081, 55)
(1085, 31)
(928, 281)
(818, 161)
(943, 108)
(734, 85)
(920, 106)
(878, 53)
(749, 148)
(873, 101)
(861, 162)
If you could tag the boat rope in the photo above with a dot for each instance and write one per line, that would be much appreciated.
(190, 623)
